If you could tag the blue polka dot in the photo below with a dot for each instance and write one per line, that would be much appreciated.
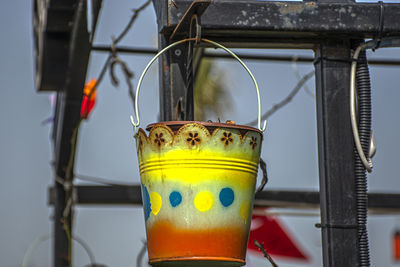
(175, 198)
(146, 202)
(226, 196)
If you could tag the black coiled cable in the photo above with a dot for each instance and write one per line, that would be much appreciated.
(364, 127)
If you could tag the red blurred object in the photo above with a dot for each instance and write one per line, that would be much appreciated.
(89, 98)
(277, 242)
(396, 246)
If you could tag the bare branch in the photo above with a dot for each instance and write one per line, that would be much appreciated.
(115, 41)
(266, 255)
(141, 254)
(287, 99)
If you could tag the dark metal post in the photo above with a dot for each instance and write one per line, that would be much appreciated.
(172, 70)
(65, 133)
(176, 66)
(335, 151)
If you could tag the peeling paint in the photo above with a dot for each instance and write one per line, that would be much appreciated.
(287, 22)
(242, 22)
(295, 8)
(291, 9)
(165, 67)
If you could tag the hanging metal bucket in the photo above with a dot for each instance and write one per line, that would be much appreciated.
(198, 182)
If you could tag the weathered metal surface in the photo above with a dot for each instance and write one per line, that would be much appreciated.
(290, 21)
(196, 7)
(335, 154)
(172, 67)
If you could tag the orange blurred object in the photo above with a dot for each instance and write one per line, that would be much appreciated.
(396, 246)
(89, 98)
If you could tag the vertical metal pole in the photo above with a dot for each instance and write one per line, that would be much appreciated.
(173, 82)
(336, 159)
(164, 79)
(65, 130)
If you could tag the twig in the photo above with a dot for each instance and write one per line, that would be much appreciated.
(136, 12)
(101, 180)
(69, 236)
(287, 99)
(141, 253)
(127, 72)
(266, 255)
(135, 15)
(298, 76)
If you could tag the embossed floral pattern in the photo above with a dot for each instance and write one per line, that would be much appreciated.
(253, 142)
(193, 138)
(227, 138)
(159, 140)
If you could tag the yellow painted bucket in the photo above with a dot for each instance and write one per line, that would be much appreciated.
(198, 182)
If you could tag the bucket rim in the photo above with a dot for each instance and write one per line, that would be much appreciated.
(197, 258)
(175, 125)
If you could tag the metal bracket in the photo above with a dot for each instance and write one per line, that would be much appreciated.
(197, 7)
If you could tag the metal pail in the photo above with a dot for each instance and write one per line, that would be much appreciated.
(198, 182)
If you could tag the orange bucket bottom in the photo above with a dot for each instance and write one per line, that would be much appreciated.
(170, 246)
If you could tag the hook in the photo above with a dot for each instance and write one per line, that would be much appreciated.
(197, 36)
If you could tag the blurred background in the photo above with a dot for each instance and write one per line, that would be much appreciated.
(106, 146)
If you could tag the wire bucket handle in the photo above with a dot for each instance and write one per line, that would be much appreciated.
(137, 123)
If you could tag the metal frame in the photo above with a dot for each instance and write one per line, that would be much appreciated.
(130, 195)
(72, 32)
(326, 26)
(335, 153)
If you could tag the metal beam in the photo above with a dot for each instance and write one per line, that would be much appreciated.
(378, 203)
(284, 22)
(246, 56)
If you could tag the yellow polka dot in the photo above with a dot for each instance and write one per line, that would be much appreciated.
(203, 201)
(156, 202)
(245, 210)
